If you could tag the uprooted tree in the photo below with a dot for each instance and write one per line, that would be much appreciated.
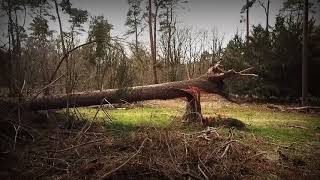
(211, 82)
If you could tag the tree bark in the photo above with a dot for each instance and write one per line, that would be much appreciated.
(152, 41)
(267, 18)
(305, 55)
(211, 82)
(156, 80)
(247, 37)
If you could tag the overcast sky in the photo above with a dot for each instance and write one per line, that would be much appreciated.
(223, 15)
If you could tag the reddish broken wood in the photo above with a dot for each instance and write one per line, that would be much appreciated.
(211, 82)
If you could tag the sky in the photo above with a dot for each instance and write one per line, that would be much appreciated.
(221, 15)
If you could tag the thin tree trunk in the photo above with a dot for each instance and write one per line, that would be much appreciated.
(247, 37)
(66, 59)
(63, 45)
(153, 55)
(136, 40)
(155, 31)
(267, 18)
(60, 27)
(12, 52)
(305, 56)
(187, 70)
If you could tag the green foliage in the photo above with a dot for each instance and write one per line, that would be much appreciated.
(124, 75)
(78, 16)
(247, 6)
(99, 31)
(233, 56)
(108, 56)
(65, 5)
(275, 56)
(39, 28)
(292, 5)
(134, 17)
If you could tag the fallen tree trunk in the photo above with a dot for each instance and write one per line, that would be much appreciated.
(211, 82)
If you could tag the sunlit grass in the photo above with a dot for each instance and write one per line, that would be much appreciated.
(278, 127)
(132, 118)
(284, 127)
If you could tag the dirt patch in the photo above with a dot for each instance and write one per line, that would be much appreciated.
(172, 103)
(209, 100)
(220, 121)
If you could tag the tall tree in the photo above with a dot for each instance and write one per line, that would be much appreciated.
(60, 27)
(99, 55)
(246, 8)
(38, 47)
(66, 6)
(134, 22)
(15, 33)
(168, 29)
(152, 36)
(77, 18)
(266, 11)
(172, 39)
(305, 54)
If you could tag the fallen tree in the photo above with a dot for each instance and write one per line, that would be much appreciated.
(211, 82)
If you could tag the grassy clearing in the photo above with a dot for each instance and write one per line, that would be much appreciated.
(276, 127)
(128, 119)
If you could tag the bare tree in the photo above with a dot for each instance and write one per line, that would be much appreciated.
(15, 31)
(67, 83)
(266, 11)
(216, 47)
(152, 32)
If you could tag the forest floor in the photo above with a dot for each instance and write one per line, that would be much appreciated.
(149, 140)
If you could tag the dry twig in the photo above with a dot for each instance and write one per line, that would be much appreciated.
(83, 144)
(124, 163)
(251, 157)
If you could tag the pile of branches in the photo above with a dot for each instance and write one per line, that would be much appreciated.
(92, 152)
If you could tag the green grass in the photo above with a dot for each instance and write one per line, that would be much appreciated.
(273, 126)
(127, 119)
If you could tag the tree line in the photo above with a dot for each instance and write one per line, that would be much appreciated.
(34, 56)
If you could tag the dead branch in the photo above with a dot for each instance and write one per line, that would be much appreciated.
(225, 151)
(251, 157)
(124, 163)
(64, 57)
(83, 144)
